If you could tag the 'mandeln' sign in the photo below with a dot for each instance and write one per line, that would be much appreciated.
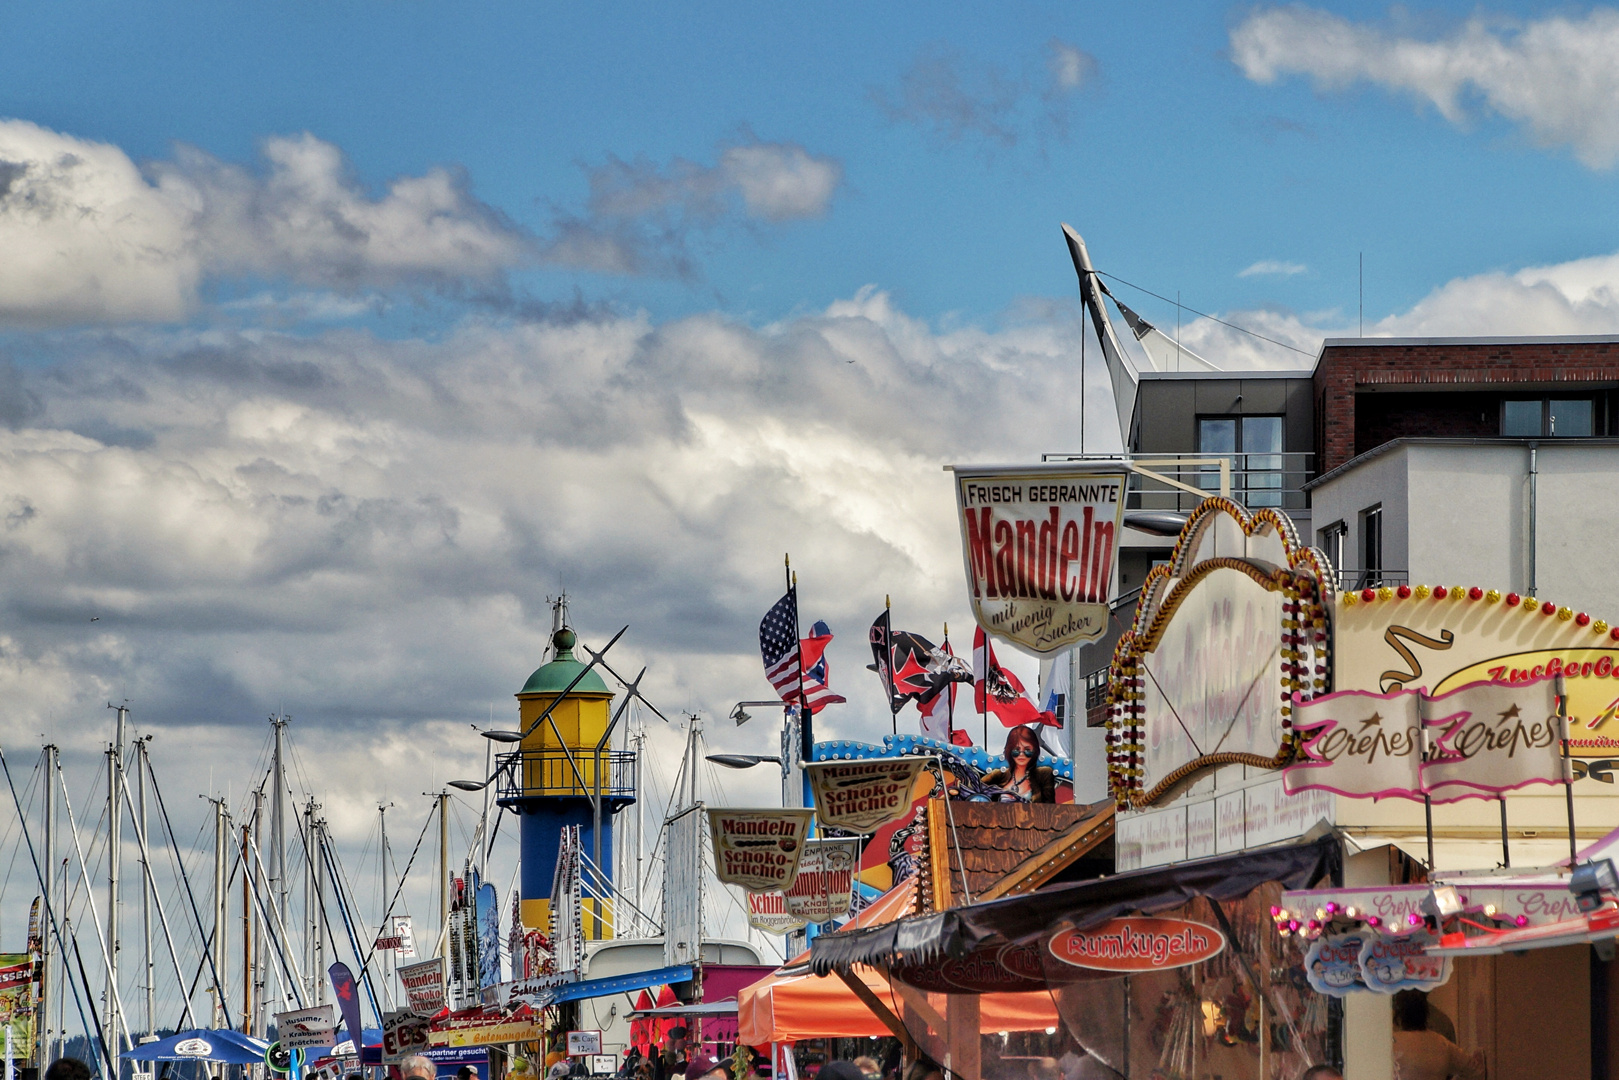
(1138, 944)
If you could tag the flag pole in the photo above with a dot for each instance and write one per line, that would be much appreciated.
(981, 692)
(805, 735)
(950, 700)
(888, 647)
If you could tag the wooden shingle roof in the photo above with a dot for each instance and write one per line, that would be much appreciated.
(1006, 848)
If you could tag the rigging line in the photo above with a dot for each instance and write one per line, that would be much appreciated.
(185, 879)
(90, 898)
(17, 844)
(348, 927)
(50, 916)
(151, 881)
(399, 888)
(259, 905)
(1206, 315)
(1171, 705)
(101, 1036)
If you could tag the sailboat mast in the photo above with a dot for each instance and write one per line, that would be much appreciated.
(444, 873)
(382, 903)
(146, 879)
(221, 911)
(278, 832)
(47, 983)
(115, 842)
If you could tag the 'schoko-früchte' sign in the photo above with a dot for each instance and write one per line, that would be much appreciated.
(1138, 944)
(861, 796)
(758, 849)
(1039, 544)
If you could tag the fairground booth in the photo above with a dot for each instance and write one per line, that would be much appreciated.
(1319, 798)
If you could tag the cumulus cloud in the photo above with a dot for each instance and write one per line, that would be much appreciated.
(641, 218)
(88, 236)
(1272, 268)
(955, 100)
(1554, 76)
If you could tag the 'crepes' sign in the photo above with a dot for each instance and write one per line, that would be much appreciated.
(860, 796)
(1039, 543)
(758, 849)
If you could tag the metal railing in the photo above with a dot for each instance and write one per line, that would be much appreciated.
(1254, 480)
(1371, 579)
(549, 773)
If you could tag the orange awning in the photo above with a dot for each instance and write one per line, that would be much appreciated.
(788, 1008)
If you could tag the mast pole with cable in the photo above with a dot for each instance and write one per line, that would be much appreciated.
(115, 841)
(146, 890)
(47, 985)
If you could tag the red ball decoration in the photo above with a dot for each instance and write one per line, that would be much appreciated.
(1512, 599)
(1368, 595)
(1440, 592)
(1403, 592)
(1475, 593)
(1548, 608)
(1582, 619)
(1614, 633)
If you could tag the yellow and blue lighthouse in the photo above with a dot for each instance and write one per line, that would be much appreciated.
(552, 780)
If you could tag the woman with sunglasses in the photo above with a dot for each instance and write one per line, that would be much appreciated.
(1024, 776)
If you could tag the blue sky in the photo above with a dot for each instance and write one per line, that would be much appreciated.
(1180, 171)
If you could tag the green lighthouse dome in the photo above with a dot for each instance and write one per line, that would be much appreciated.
(554, 677)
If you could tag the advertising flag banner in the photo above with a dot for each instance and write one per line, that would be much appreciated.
(1039, 545)
(823, 889)
(406, 950)
(17, 999)
(860, 796)
(348, 997)
(488, 914)
(424, 985)
(767, 910)
(758, 849)
(307, 1029)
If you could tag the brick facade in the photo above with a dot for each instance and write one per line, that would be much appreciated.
(1551, 366)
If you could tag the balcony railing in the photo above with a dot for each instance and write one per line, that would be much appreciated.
(1371, 579)
(527, 773)
(1254, 480)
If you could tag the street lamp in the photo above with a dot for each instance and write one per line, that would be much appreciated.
(742, 716)
(471, 785)
(503, 736)
(742, 761)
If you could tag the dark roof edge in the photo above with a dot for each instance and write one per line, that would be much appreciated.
(1544, 442)
(1532, 339)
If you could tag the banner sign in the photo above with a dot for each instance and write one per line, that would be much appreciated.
(487, 908)
(584, 1043)
(1483, 738)
(1389, 964)
(1138, 944)
(307, 1029)
(758, 849)
(17, 1001)
(403, 1033)
(1039, 544)
(348, 997)
(424, 985)
(861, 796)
(537, 990)
(485, 1030)
(1332, 964)
(823, 888)
(767, 910)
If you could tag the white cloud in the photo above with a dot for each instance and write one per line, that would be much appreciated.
(1273, 267)
(89, 237)
(1555, 76)
(955, 100)
(642, 219)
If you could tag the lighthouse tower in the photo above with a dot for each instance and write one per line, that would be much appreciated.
(550, 791)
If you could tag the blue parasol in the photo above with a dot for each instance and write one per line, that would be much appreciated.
(202, 1044)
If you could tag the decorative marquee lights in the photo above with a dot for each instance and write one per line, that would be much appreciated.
(1376, 640)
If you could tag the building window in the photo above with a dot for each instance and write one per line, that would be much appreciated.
(1371, 546)
(1537, 418)
(1332, 543)
(1254, 444)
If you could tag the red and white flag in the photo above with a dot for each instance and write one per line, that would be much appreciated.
(999, 691)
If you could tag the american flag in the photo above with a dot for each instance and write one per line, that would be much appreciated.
(784, 655)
